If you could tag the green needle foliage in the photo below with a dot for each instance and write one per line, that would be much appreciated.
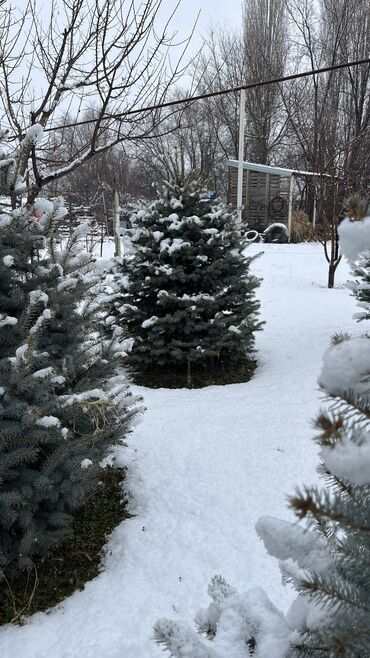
(339, 514)
(187, 296)
(62, 404)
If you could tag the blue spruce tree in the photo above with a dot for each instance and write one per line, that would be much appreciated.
(62, 403)
(187, 296)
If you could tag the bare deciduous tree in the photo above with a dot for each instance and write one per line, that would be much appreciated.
(258, 52)
(221, 66)
(328, 114)
(190, 145)
(265, 57)
(108, 54)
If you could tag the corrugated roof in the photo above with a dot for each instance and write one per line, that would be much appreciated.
(267, 169)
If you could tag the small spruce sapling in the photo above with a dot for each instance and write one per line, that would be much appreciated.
(187, 296)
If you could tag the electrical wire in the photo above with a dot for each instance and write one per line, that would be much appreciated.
(215, 94)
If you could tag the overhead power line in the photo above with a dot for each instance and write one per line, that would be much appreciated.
(215, 94)
(252, 85)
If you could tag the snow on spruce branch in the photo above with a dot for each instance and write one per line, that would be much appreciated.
(236, 624)
(354, 236)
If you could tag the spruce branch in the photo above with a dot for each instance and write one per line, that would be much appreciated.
(339, 593)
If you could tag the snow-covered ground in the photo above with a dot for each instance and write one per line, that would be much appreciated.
(203, 466)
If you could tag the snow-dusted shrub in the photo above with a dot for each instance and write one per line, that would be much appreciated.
(62, 404)
(187, 296)
(236, 625)
(327, 560)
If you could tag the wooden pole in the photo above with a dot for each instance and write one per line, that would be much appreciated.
(239, 193)
(290, 206)
(267, 199)
(314, 208)
(116, 226)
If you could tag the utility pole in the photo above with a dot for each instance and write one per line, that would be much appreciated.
(116, 224)
(239, 193)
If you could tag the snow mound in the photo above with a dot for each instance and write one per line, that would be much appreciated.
(353, 235)
(346, 367)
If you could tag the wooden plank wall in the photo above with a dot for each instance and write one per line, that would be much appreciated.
(80, 214)
(265, 197)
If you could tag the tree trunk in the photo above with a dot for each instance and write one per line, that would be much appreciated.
(331, 275)
(332, 269)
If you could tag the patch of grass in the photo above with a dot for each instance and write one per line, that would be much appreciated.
(74, 562)
(214, 374)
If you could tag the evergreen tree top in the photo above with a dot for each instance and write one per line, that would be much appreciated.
(185, 199)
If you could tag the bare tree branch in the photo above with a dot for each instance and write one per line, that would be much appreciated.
(106, 53)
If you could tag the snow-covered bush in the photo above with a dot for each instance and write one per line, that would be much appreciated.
(62, 404)
(236, 624)
(326, 561)
(187, 296)
(361, 262)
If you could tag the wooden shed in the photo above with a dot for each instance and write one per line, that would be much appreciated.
(267, 196)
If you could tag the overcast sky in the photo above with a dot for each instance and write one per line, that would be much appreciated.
(226, 13)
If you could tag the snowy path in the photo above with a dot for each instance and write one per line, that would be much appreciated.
(207, 464)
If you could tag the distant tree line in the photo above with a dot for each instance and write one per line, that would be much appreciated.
(319, 123)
